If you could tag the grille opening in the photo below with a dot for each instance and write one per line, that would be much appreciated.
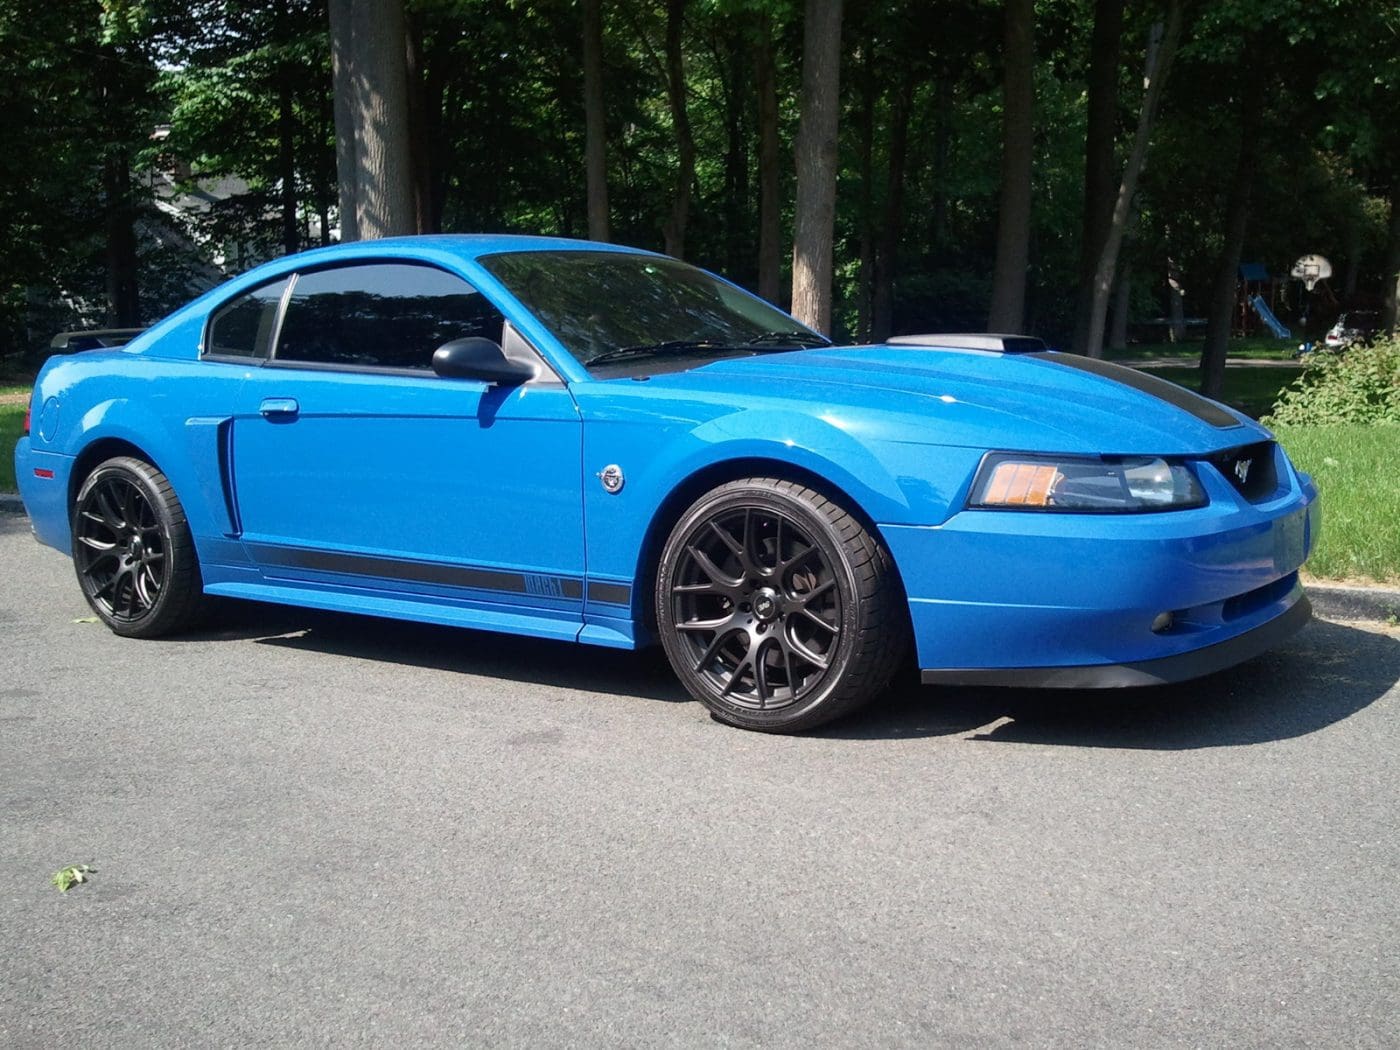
(1250, 469)
(1244, 604)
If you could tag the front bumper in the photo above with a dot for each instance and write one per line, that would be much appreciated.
(1162, 671)
(1069, 601)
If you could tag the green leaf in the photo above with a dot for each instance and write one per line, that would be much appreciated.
(66, 878)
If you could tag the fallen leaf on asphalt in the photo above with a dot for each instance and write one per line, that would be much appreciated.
(66, 878)
(86, 619)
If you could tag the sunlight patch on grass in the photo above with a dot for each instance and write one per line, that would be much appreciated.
(11, 426)
(1251, 390)
(1255, 349)
(1357, 470)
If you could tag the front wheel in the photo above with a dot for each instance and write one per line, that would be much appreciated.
(133, 551)
(778, 610)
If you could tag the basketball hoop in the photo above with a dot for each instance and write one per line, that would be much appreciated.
(1310, 269)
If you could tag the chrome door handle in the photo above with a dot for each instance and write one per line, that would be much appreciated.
(279, 406)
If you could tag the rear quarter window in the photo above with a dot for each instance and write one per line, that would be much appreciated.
(244, 326)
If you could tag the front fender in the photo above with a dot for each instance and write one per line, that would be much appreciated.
(887, 480)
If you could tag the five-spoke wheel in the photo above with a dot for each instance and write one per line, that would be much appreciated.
(777, 609)
(132, 550)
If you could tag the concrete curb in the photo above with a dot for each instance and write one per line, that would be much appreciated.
(1330, 600)
(1337, 601)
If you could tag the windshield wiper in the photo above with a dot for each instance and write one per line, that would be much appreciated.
(775, 340)
(672, 346)
(806, 339)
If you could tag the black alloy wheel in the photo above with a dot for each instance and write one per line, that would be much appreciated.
(133, 552)
(777, 609)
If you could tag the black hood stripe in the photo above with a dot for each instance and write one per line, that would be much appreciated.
(1204, 409)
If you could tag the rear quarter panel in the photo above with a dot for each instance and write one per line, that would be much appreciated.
(169, 411)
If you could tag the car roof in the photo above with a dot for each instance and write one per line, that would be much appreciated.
(462, 245)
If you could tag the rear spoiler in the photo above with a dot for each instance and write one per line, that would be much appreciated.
(92, 339)
(999, 344)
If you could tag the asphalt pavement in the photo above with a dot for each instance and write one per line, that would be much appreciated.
(312, 829)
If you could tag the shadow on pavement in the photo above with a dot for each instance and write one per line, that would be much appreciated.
(1325, 674)
(562, 665)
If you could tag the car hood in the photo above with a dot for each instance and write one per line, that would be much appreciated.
(1034, 401)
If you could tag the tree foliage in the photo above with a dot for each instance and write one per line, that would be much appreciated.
(695, 134)
(1361, 385)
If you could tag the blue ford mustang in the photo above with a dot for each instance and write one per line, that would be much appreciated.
(579, 441)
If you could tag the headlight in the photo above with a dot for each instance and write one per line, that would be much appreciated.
(1109, 484)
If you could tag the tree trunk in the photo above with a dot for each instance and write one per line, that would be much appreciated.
(595, 122)
(737, 233)
(119, 212)
(435, 103)
(375, 82)
(816, 157)
(1159, 66)
(123, 295)
(347, 152)
(1390, 314)
(324, 180)
(769, 177)
(286, 142)
(1099, 167)
(887, 255)
(1225, 288)
(1122, 301)
(1352, 274)
(674, 231)
(865, 288)
(1176, 306)
(942, 136)
(1014, 214)
(420, 148)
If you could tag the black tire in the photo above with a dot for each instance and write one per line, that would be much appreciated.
(133, 551)
(778, 610)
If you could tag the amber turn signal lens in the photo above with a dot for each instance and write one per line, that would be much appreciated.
(1021, 485)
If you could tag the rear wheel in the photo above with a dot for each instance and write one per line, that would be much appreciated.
(133, 552)
(778, 610)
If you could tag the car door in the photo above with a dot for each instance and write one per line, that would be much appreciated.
(354, 464)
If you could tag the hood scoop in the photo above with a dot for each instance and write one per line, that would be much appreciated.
(997, 344)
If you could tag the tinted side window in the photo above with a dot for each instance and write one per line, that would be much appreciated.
(386, 315)
(243, 328)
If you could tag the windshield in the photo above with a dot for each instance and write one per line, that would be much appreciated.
(609, 306)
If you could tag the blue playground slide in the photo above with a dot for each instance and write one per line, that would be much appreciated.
(1270, 321)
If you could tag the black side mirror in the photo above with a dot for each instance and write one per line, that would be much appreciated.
(478, 358)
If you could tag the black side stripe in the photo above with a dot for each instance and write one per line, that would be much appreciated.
(611, 593)
(1204, 409)
(546, 586)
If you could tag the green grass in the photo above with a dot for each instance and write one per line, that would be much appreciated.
(1251, 390)
(1357, 470)
(1255, 348)
(11, 424)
